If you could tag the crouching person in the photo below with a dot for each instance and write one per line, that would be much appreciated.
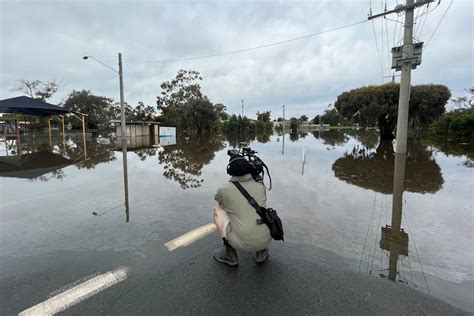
(235, 218)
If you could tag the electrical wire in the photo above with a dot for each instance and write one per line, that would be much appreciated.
(436, 28)
(377, 46)
(388, 48)
(246, 49)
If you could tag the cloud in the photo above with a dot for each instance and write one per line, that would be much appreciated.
(50, 38)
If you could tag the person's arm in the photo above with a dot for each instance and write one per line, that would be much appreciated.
(219, 198)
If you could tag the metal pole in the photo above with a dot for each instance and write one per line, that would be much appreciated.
(124, 139)
(242, 108)
(122, 105)
(402, 123)
(405, 81)
(49, 132)
(17, 128)
(125, 180)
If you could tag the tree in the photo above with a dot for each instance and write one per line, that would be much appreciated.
(220, 110)
(182, 104)
(142, 112)
(176, 94)
(316, 119)
(465, 102)
(304, 118)
(37, 89)
(264, 116)
(99, 109)
(198, 116)
(332, 117)
(378, 106)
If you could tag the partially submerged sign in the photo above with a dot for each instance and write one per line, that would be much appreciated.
(167, 131)
(167, 136)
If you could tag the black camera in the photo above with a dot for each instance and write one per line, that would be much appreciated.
(246, 161)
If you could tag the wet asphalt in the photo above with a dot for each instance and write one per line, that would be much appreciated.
(296, 279)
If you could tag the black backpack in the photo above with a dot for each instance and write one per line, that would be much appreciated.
(268, 216)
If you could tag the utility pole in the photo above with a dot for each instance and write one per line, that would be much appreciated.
(242, 108)
(122, 105)
(407, 62)
(283, 121)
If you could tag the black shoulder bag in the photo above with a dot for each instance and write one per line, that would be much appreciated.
(268, 215)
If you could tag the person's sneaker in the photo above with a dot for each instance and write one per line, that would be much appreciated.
(261, 256)
(226, 255)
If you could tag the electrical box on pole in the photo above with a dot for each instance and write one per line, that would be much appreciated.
(397, 56)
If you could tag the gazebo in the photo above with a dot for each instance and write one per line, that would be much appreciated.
(29, 106)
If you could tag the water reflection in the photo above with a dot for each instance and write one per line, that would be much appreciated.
(125, 180)
(332, 137)
(462, 148)
(42, 165)
(374, 170)
(394, 239)
(183, 162)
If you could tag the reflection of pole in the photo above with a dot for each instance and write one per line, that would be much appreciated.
(393, 260)
(49, 132)
(84, 135)
(17, 129)
(398, 187)
(283, 144)
(125, 178)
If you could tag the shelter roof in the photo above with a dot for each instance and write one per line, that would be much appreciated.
(29, 106)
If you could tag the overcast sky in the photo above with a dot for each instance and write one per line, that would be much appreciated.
(46, 40)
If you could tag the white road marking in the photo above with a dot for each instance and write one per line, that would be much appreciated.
(190, 237)
(77, 294)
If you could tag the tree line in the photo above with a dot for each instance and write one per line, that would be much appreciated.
(182, 103)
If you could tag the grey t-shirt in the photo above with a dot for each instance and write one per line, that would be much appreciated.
(243, 232)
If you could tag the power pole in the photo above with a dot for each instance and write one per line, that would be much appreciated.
(407, 62)
(122, 105)
(242, 108)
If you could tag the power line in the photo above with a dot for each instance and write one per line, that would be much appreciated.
(377, 46)
(436, 28)
(247, 49)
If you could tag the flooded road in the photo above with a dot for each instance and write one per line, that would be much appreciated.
(333, 190)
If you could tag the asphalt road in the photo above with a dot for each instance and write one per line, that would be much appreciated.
(296, 279)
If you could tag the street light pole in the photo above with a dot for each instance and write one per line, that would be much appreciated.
(122, 103)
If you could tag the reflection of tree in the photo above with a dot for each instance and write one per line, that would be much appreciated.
(332, 137)
(263, 137)
(183, 163)
(457, 148)
(374, 170)
(368, 138)
(96, 153)
(144, 153)
(240, 140)
(295, 135)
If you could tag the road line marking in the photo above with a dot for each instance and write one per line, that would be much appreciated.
(77, 294)
(190, 237)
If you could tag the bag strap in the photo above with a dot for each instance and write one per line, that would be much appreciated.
(247, 196)
(252, 202)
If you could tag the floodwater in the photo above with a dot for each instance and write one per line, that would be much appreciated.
(333, 190)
